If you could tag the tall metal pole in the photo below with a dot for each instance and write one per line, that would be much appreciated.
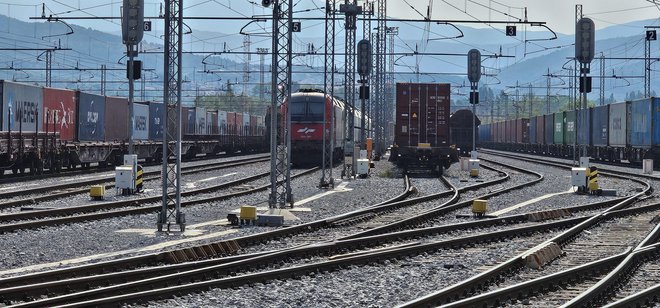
(602, 79)
(328, 84)
(647, 68)
(547, 93)
(380, 91)
(280, 176)
(130, 50)
(171, 171)
(350, 10)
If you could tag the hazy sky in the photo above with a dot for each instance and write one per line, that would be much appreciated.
(559, 14)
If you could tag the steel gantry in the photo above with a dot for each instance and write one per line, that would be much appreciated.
(329, 89)
(171, 127)
(351, 10)
(380, 45)
(389, 86)
(280, 176)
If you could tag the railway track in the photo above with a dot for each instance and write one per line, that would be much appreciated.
(95, 211)
(50, 192)
(21, 177)
(239, 242)
(465, 293)
(248, 269)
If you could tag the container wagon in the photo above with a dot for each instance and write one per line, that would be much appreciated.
(421, 138)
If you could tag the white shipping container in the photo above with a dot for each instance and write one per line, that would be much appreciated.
(246, 125)
(222, 122)
(200, 122)
(141, 123)
(618, 124)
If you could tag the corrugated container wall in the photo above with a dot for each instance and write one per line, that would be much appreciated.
(558, 136)
(222, 122)
(246, 124)
(569, 127)
(239, 123)
(640, 133)
(510, 131)
(231, 123)
(584, 126)
(156, 121)
(600, 125)
(618, 124)
(200, 121)
(502, 131)
(422, 114)
(485, 132)
(141, 126)
(253, 125)
(493, 131)
(656, 120)
(188, 118)
(549, 129)
(91, 117)
(116, 119)
(212, 122)
(540, 129)
(60, 113)
(25, 103)
(532, 130)
(522, 130)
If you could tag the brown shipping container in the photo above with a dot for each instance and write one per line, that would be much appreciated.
(522, 131)
(60, 113)
(540, 126)
(116, 118)
(511, 131)
(253, 125)
(422, 114)
(231, 123)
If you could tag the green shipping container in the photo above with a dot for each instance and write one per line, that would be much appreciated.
(559, 128)
(569, 127)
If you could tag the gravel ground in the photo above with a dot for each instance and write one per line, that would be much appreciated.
(375, 285)
(54, 244)
(154, 187)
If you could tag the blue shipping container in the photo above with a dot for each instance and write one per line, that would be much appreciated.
(656, 120)
(549, 122)
(640, 123)
(157, 117)
(91, 117)
(600, 125)
(532, 130)
(584, 126)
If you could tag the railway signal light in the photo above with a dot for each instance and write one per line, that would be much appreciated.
(584, 40)
(364, 57)
(474, 65)
(266, 3)
(132, 21)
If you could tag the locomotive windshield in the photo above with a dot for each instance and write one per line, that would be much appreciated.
(307, 108)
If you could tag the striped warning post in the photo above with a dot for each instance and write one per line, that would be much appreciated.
(593, 178)
(138, 179)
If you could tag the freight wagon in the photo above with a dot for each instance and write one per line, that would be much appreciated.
(460, 130)
(46, 128)
(421, 138)
(625, 131)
